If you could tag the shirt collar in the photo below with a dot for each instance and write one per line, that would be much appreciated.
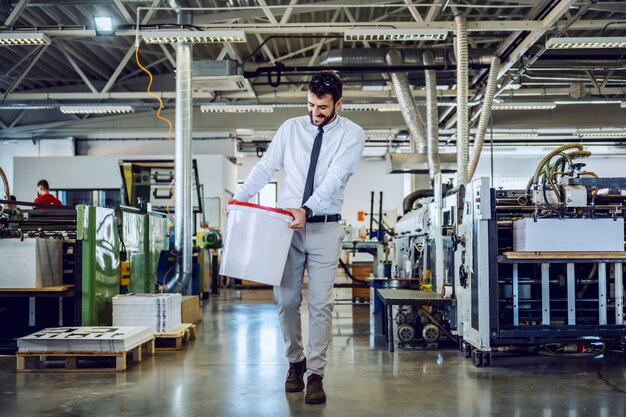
(330, 126)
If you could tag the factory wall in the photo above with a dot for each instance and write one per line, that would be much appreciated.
(215, 172)
(53, 147)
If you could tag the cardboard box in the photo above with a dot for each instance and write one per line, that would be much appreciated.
(191, 312)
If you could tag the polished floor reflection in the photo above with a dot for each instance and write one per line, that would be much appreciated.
(236, 368)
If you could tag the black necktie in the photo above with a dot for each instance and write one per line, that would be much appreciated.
(310, 176)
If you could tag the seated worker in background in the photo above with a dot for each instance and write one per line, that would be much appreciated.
(12, 206)
(43, 191)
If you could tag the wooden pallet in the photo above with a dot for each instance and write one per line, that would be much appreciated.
(72, 361)
(174, 339)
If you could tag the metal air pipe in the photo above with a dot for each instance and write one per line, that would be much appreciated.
(432, 116)
(462, 141)
(183, 162)
(490, 92)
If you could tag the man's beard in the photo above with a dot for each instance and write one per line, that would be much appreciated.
(327, 119)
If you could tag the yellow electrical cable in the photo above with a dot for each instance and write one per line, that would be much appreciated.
(595, 192)
(158, 114)
(556, 191)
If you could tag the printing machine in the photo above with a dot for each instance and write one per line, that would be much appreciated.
(533, 269)
(60, 267)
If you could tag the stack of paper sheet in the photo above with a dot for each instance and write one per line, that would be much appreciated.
(160, 312)
(31, 263)
(85, 339)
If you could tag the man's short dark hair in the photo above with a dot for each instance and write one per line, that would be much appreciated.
(43, 184)
(12, 198)
(326, 82)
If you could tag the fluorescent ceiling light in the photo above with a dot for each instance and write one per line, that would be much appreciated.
(586, 43)
(512, 135)
(602, 133)
(236, 108)
(103, 26)
(18, 38)
(371, 107)
(96, 109)
(395, 34)
(201, 36)
(524, 106)
(559, 102)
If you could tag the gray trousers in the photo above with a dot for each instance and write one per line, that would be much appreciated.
(316, 247)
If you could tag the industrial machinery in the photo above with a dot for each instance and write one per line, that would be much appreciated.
(529, 270)
(74, 272)
(144, 236)
(148, 187)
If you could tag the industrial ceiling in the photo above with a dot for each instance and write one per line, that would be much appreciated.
(580, 92)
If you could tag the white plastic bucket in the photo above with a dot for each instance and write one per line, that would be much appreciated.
(256, 243)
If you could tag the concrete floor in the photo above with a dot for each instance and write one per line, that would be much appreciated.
(236, 368)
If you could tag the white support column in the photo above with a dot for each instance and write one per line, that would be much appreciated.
(545, 294)
(602, 293)
(515, 295)
(619, 294)
(571, 295)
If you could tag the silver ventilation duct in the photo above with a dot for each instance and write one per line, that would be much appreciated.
(432, 117)
(182, 191)
(409, 109)
(485, 116)
(411, 56)
(462, 121)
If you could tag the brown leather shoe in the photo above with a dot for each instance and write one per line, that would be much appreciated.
(314, 390)
(295, 376)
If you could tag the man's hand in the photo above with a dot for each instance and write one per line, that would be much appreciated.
(226, 208)
(299, 215)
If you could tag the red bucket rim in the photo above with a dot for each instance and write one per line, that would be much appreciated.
(258, 206)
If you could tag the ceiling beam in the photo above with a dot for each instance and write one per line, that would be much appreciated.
(268, 12)
(434, 11)
(31, 64)
(288, 12)
(77, 68)
(17, 119)
(169, 55)
(15, 13)
(414, 12)
(119, 69)
(93, 67)
(548, 22)
(124, 12)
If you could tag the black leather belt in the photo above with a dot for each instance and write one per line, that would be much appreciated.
(325, 218)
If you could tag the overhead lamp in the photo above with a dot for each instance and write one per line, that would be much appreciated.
(559, 102)
(587, 42)
(23, 38)
(376, 34)
(200, 36)
(602, 133)
(103, 25)
(96, 109)
(27, 106)
(513, 135)
(371, 107)
(524, 106)
(236, 108)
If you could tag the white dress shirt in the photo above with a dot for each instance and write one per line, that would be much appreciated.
(342, 146)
